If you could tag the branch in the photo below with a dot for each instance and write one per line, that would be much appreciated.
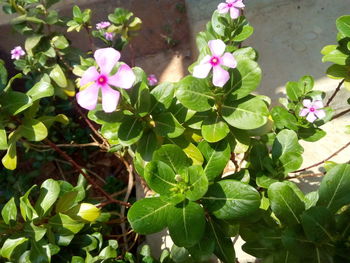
(335, 93)
(340, 114)
(80, 170)
(325, 160)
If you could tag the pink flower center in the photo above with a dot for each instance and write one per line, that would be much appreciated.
(214, 61)
(102, 80)
(229, 5)
(312, 109)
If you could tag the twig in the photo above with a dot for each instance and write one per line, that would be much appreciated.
(80, 169)
(340, 114)
(91, 144)
(325, 160)
(91, 40)
(335, 93)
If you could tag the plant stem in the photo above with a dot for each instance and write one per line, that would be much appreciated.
(335, 93)
(340, 114)
(80, 170)
(91, 40)
(325, 160)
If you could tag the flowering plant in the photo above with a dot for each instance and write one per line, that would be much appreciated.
(217, 157)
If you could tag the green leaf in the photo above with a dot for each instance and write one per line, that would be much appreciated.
(147, 145)
(10, 245)
(294, 92)
(245, 33)
(311, 134)
(317, 223)
(204, 249)
(244, 79)
(229, 199)
(76, 11)
(167, 125)
(40, 252)
(218, 27)
(15, 102)
(160, 177)
(197, 181)
(334, 189)
(33, 130)
(58, 76)
(284, 119)
(186, 223)
(10, 159)
(173, 156)
(99, 116)
(148, 215)
(285, 203)
(49, 192)
(214, 128)
(41, 89)
(217, 156)
(31, 42)
(3, 75)
(338, 72)
(59, 42)
(9, 211)
(163, 95)
(34, 232)
(223, 245)
(343, 25)
(248, 113)
(130, 131)
(194, 94)
(306, 84)
(65, 225)
(336, 56)
(27, 210)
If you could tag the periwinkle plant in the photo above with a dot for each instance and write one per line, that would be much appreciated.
(181, 137)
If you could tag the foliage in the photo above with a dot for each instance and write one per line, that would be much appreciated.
(180, 138)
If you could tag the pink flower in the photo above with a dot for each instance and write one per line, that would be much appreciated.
(313, 110)
(109, 36)
(234, 6)
(102, 25)
(152, 80)
(106, 59)
(17, 53)
(218, 58)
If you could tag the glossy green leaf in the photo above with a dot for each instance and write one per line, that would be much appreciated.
(65, 225)
(248, 113)
(204, 249)
(173, 156)
(33, 130)
(343, 25)
(10, 159)
(66, 201)
(41, 89)
(130, 131)
(214, 128)
(336, 56)
(27, 210)
(49, 192)
(167, 125)
(244, 79)
(99, 116)
(245, 33)
(197, 181)
(311, 134)
(334, 189)
(163, 96)
(3, 75)
(31, 42)
(186, 223)
(3, 138)
(59, 42)
(58, 76)
(148, 215)
(160, 177)
(284, 119)
(338, 72)
(34, 232)
(10, 245)
(294, 91)
(147, 145)
(15, 102)
(217, 156)
(217, 25)
(9, 211)
(230, 199)
(194, 94)
(40, 252)
(285, 203)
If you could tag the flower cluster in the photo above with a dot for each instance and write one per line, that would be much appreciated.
(102, 79)
(102, 26)
(232, 6)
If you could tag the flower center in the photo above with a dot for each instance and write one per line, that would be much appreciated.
(102, 80)
(312, 109)
(214, 61)
(229, 5)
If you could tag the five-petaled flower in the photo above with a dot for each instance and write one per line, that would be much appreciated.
(313, 110)
(102, 25)
(109, 36)
(152, 80)
(234, 6)
(215, 61)
(17, 53)
(106, 59)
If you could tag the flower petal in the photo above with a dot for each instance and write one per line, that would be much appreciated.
(223, 8)
(110, 99)
(304, 112)
(201, 71)
(239, 4)
(106, 58)
(317, 104)
(307, 103)
(217, 47)
(311, 117)
(228, 60)
(320, 114)
(87, 98)
(220, 76)
(124, 78)
(234, 12)
(89, 75)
